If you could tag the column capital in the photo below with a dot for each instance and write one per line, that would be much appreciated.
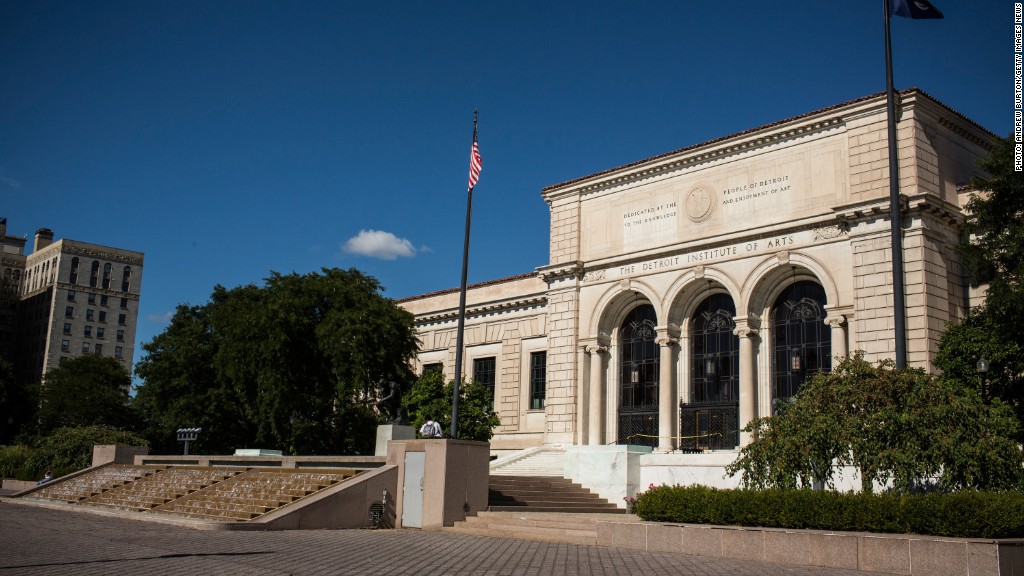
(596, 349)
(745, 331)
(836, 320)
(747, 326)
(668, 335)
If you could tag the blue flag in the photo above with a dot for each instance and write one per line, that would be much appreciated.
(916, 9)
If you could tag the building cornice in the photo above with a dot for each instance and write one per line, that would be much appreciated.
(490, 308)
(770, 134)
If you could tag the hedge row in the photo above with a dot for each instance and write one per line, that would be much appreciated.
(964, 514)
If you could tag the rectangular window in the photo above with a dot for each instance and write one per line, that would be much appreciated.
(92, 299)
(124, 303)
(69, 312)
(103, 300)
(435, 367)
(121, 319)
(120, 335)
(483, 372)
(71, 295)
(99, 331)
(88, 331)
(99, 349)
(117, 351)
(538, 379)
(65, 345)
(103, 315)
(85, 347)
(67, 328)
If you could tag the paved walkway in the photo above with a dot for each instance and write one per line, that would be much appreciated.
(36, 540)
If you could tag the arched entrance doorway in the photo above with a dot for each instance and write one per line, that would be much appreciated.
(802, 344)
(711, 419)
(638, 378)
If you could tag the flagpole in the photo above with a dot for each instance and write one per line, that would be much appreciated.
(462, 298)
(896, 219)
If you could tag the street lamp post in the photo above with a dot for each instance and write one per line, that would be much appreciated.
(982, 367)
(187, 435)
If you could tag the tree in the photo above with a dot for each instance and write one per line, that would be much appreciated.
(181, 388)
(88, 390)
(992, 251)
(290, 365)
(70, 449)
(17, 405)
(431, 397)
(898, 427)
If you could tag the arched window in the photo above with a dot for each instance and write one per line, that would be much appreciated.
(711, 419)
(94, 273)
(126, 279)
(802, 344)
(106, 275)
(74, 271)
(638, 378)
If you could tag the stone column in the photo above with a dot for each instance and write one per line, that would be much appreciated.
(668, 404)
(748, 375)
(838, 325)
(595, 436)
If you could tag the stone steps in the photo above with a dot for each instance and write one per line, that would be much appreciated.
(88, 485)
(546, 462)
(218, 493)
(544, 494)
(561, 527)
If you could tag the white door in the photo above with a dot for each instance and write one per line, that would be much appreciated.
(412, 490)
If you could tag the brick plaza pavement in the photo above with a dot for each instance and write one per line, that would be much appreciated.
(37, 540)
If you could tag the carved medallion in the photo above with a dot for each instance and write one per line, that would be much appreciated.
(700, 203)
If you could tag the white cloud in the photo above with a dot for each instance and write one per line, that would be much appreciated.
(379, 244)
(11, 182)
(160, 318)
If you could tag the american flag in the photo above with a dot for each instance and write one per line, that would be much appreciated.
(475, 164)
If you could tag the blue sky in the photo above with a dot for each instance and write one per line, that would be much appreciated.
(228, 139)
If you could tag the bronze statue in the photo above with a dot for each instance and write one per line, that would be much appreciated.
(390, 403)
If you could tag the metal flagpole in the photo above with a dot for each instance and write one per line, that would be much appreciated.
(474, 171)
(898, 290)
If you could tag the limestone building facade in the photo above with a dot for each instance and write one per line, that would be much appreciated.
(65, 299)
(691, 292)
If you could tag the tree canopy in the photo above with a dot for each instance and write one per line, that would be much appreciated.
(902, 428)
(88, 390)
(992, 251)
(16, 403)
(289, 365)
(431, 397)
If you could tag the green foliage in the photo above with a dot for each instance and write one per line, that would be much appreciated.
(13, 460)
(85, 391)
(993, 245)
(290, 365)
(992, 250)
(17, 403)
(66, 450)
(966, 514)
(898, 427)
(431, 397)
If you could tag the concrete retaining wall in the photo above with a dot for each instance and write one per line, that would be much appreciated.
(906, 554)
(266, 461)
(344, 506)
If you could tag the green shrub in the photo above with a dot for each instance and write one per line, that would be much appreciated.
(13, 459)
(965, 514)
(67, 450)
